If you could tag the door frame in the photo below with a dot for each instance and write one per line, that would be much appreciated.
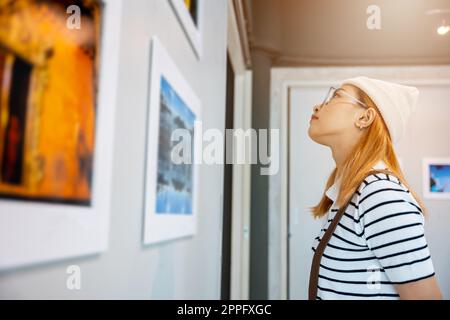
(237, 47)
(282, 81)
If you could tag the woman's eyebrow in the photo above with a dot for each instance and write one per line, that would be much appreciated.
(338, 91)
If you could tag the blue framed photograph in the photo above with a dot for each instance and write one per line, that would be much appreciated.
(174, 181)
(436, 182)
(171, 177)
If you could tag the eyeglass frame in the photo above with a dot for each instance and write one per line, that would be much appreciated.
(334, 90)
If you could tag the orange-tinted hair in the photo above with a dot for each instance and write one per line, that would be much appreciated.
(373, 146)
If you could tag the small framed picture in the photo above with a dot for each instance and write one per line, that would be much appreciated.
(436, 178)
(189, 13)
(171, 178)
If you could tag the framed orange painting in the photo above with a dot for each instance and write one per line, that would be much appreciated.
(48, 96)
(58, 78)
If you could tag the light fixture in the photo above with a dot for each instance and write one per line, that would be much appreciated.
(443, 29)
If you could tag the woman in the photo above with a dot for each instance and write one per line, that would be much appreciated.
(378, 250)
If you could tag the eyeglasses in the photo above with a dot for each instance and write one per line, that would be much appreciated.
(332, 93)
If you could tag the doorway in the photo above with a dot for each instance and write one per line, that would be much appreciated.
(235, 259)
(305, 165)
(227, 188)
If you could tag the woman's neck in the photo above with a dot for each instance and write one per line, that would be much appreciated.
(339, 156)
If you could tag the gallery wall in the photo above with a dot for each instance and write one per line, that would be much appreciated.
(187, 268)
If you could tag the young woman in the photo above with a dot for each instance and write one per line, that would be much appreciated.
(378, 250)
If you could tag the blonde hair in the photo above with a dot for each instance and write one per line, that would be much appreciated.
(373, 146)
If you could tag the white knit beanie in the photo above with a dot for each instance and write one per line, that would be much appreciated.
(395, 102)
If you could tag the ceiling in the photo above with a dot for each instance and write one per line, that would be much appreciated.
(334, 32)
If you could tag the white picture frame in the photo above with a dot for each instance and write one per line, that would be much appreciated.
(436, 178)
(192, 29)
(33, 233)
(164, 217)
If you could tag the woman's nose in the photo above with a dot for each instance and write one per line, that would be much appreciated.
(316, 108)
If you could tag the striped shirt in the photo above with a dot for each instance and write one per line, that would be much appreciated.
(379, 242)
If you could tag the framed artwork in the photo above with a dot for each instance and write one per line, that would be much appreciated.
(189, 13)
(171, 181)
(436, 178)
(56, 124)
(47, 132)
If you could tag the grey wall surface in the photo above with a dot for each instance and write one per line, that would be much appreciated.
(187, 268)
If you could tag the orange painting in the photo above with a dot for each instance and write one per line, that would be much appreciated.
(48, 81)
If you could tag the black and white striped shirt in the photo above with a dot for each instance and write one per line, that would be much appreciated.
(379, 242)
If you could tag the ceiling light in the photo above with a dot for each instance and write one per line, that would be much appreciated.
(443, 28)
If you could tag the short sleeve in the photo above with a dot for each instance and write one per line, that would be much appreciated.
(393, 227)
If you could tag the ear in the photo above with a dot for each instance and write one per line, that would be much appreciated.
(367, 117)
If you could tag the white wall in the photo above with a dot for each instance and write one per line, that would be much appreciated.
(184, 269)
(310, 165)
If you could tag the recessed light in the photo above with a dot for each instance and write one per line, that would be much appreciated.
(443, 28)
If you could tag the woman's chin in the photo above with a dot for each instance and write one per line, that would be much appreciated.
(317, 138)
(311, 133)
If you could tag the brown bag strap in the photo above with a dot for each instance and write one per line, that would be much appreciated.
(315, 265)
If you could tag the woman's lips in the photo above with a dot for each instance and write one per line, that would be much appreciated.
(313, 117)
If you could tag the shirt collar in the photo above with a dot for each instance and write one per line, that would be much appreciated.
(333, 191)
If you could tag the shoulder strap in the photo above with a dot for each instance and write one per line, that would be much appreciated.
(315, 266)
